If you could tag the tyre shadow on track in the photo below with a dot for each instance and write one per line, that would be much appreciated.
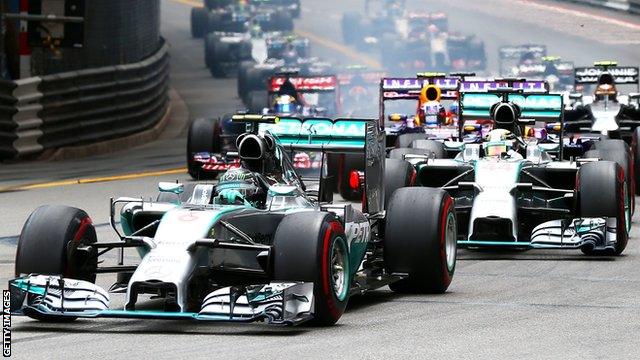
(531, 255)
(153, 327)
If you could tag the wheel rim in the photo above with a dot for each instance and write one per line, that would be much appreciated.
(451, 241)
(339, 268)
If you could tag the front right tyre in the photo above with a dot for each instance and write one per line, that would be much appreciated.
(312, 247)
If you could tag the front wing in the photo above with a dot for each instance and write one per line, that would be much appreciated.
(53, 297)
(591, 233)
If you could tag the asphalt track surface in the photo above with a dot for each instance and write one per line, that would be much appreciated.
(505, 305)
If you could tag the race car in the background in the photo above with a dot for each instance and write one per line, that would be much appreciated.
(511, 58)
(211, 143)
(285, 54)
(261, 245)
(427, 47)
(359, 89)
(239, 33)
(606, 112)
(510, 193)
(433, 101)
(558, 73)
(221, 15)
(365, 31)
(291, 93)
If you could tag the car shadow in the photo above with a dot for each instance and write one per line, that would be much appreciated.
(529, 255)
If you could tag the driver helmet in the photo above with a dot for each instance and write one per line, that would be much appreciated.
(497, 143)
(290, 55)
(606, 87)
(285, 104)
(239, 187)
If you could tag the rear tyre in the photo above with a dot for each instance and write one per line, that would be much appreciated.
(49, 245)
(203, 137)
(436, 148)
(619, 152)
(635, 149)
(397, 174)
(406, 140)
(400, 152)
(244, 69)
(258, 101)
(601, 194)
(420, 239)
(198, 22)
(322, 259)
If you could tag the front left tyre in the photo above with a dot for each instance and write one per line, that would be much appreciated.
(56, 240)
(601, 194)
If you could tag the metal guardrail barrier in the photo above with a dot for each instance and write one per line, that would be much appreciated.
(632, 6)
(82, 107)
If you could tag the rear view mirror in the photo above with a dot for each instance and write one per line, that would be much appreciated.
(171, 187)
(575, 96)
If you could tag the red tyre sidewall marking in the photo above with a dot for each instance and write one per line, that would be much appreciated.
(82, 230)
(334, 227)
(446, 276)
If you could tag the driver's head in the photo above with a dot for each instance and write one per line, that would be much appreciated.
(496, 142)
(285, 104)
(239, 187)
(606, 88)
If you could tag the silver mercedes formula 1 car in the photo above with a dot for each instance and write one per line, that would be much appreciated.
(263, 244)
(515, 191)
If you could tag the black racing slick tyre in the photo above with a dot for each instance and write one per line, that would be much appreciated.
(322, 258)
(635, 151)
(55, 240)
(397, 175)
(406, 140)
(600, 188)
(435, 148)
(258, 101)
(399, 153)
(619, 152)
(198, 22)
(420, 240)
(203, 136)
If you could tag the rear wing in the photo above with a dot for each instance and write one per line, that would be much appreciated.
(309, 84)
(510, 56)
(538, 107)
(342, 135)
(621, 75)
(515, 52)
(484, 86)
(409, 88)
